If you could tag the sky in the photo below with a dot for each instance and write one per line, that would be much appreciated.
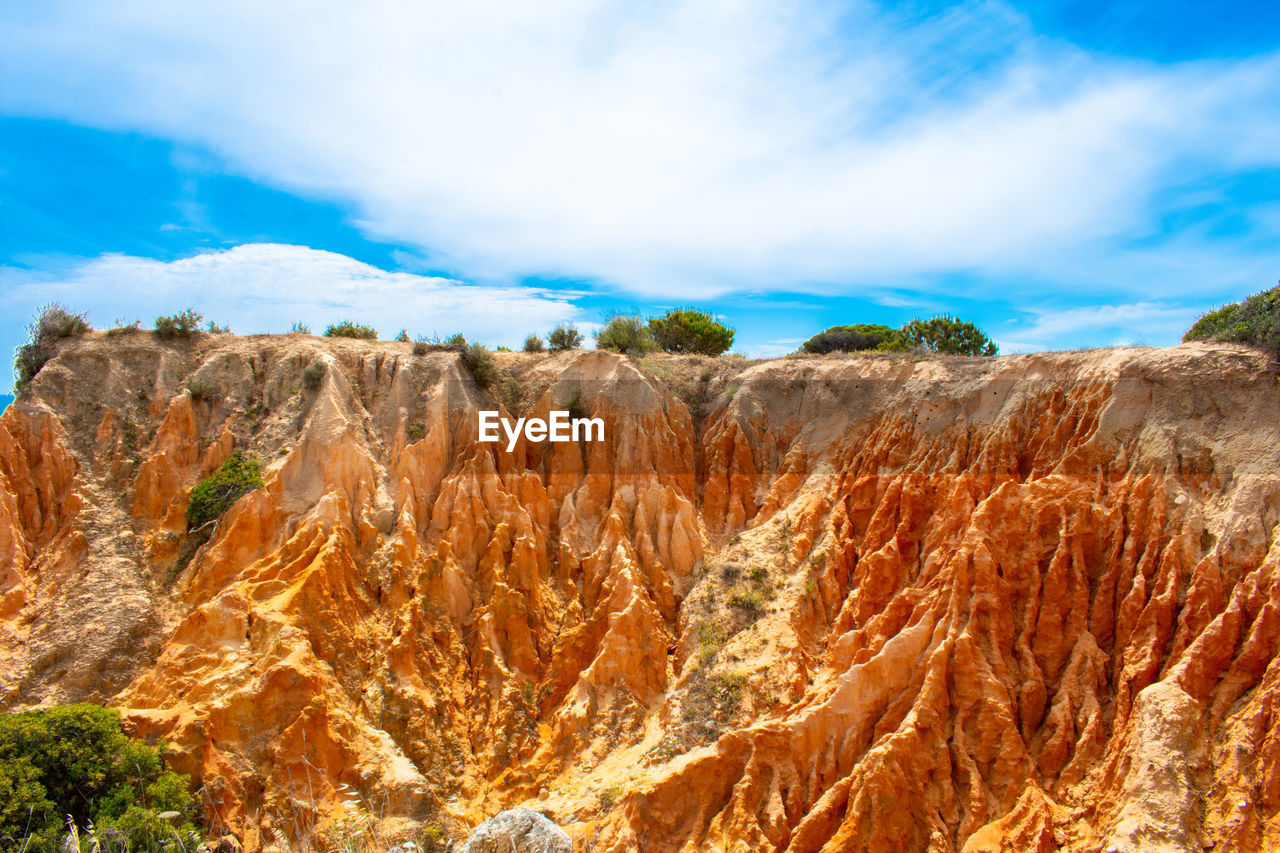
(1064, 174)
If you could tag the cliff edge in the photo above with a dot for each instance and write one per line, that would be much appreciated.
(811, 604)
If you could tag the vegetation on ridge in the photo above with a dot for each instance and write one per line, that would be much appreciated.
(348, 329)
(52, 323)
(943, 334)
(1255, 321)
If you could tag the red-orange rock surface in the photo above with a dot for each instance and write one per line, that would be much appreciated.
(1025, 603)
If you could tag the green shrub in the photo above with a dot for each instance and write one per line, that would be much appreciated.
(481, 363)
(214, 329)
(626, 333)
(348, 329)
(564, 337)
(313, 375)
(949, 335)
(421, 347)
(855, 338)
(199, 389)
(181, 325)
(216, 493)
(51, 324)
(1256, 322)
(74, 761)
(533, 343)
(685, 330)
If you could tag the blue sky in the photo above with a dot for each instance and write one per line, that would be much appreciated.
(1065, 174)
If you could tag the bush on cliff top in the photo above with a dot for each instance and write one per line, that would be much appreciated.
(74, 761)
(181, 325)
(216, 493)
(626, 333)
(943, 334)
(348, 329)
(1256, 322)
(686, 330)
(856, 338)
(52, 323)
(564, 337)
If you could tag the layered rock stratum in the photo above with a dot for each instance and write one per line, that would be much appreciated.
(1025, 603)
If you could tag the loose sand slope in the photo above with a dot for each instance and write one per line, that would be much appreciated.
(1024, 603)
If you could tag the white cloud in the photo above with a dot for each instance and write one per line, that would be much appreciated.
(680, 148)
(1139, 322)
(266, 287)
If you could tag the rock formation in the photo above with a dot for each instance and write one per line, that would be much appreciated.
(518, 831)
(812, 604)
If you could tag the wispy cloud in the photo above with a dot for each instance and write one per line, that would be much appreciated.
(267, 287)
(679, 149)
(1140, 322)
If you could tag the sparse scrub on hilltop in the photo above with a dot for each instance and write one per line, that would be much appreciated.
(627, 334)
(1255, 321)
(184, 324)
(533, 343)
(348, 329)
(52, 323)
(564, 337)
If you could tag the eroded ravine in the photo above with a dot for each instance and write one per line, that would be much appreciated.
(1020, 603)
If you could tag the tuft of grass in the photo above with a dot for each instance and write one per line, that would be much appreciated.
(745, 598)
(199, 389)
(481, 363)
(299, 329)
(403, 337)
(421, 347)
(415, 432)
(184, 324)
(52, 323)
(313, 375)
(711, 640)
(348, 329)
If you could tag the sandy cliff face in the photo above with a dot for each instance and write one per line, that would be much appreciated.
(1024, 603)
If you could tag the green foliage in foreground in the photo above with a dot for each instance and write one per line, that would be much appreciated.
(216, 493)
(74, 760)
(52, 323)
(348, 329)
(686, 330)
(1256, 321)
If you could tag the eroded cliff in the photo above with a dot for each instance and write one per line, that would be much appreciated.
(828, 604)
